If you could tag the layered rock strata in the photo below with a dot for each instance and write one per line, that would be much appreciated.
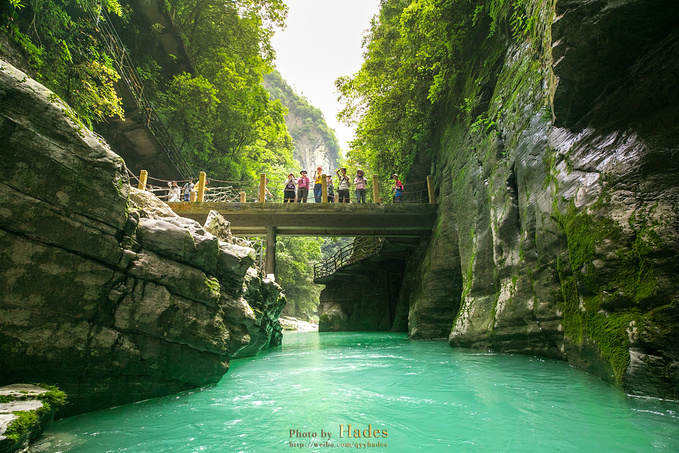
(113, 300)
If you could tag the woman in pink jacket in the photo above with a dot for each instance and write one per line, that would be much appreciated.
(302, 187)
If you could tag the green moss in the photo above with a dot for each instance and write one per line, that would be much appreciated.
(597, 309)
(21, 426)
(5, 399)
(213, 284)
(610, 333)
(54, 397)
(573, 322)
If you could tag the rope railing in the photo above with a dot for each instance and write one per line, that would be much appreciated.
(361, 248)
(245, 191)
(128, 73)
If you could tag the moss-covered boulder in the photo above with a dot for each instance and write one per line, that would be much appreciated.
(25, 412)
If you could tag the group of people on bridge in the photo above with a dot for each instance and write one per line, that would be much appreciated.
(296, 189)
(180, 193)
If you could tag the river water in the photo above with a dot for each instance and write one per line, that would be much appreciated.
(381, 392)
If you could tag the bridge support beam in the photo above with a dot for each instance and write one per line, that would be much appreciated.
(270, 258)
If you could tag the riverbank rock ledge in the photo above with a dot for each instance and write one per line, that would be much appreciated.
(108, 294)
(25, 412)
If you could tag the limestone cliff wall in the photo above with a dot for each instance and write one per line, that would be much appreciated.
(112, 299)
(311, 148)
(558, 230)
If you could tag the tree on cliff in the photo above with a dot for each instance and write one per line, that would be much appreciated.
(412, 64)
(65, 53)
(238, 131)
(217, 111)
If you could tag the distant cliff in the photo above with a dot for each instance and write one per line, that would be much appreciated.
(315, 142)
(106, 294)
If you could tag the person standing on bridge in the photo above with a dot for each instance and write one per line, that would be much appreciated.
(397, 189)
(331, 189)
(343, 188)
(187, 188)
(175, 192)
(302, 187)
(318, 184)
(360, 182)
(289, 190)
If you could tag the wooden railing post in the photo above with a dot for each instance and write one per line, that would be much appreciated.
(324, 188)
(270, 250)
(242, 197)
(262, 189)
(430, 189)
(201, 186)
(376, 190)
(143, 176)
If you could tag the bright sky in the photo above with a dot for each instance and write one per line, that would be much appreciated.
(322, 42)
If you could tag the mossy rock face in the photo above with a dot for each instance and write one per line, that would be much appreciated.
(564, 197)
(333, 321)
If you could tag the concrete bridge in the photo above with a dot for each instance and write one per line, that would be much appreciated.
(407, 222)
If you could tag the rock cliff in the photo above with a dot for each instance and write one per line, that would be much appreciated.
(111, 297)
(558, 193)
(315, 143)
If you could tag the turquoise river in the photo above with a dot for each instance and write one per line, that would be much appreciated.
(380, 392)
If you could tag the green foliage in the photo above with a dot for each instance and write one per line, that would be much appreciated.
(410, 63)
(21, 426)
(417, 58)
(67, 56)
(295, 259)
(235, 131)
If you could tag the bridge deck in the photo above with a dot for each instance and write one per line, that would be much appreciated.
(318, 219)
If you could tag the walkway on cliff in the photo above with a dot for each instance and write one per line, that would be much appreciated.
(142, 139)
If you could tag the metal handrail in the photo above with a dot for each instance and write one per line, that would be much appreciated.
(360, 249)
(128, 72)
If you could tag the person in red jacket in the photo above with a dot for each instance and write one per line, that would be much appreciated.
(397, 189)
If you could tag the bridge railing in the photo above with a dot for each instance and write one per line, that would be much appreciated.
(361, 248)
(214, 190)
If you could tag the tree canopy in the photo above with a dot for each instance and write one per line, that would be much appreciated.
(413, 66)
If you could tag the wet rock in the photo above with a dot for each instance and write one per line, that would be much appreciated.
(290, 323)
(114, 300)
(559, 224)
